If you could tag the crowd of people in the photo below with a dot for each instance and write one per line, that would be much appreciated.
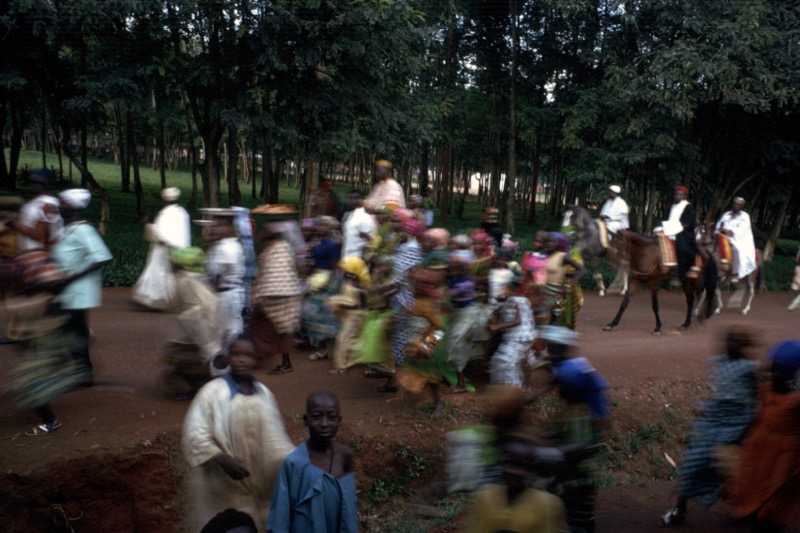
(372, 283)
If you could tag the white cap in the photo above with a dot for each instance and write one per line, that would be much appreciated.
(75, 198)
(170, 194)
(615, 188)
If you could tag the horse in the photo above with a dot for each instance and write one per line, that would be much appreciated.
(646, 267)
(578, 220)
(754, 280)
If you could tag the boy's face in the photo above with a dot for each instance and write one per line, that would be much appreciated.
(322, 418)
(242, 358)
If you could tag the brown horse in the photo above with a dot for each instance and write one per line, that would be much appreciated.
(753, 281)
(646, 267)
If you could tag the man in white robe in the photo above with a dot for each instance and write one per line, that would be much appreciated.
(171, 228)
(358, 227)
(736, 225)
(615, 211)
(223, 422)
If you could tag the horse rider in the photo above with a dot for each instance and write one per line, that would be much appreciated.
(615, 211)
(680, 227)
(735, 224)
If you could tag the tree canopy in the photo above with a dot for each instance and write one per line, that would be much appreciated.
(534, 100)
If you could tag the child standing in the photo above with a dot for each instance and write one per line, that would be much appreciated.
(316, 489)
(234, 441)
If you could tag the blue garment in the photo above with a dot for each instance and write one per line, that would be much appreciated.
(326, 254)
(79, 247)
(308, 499)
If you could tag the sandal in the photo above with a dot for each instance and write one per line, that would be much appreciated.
(278, 370)
(672, 517)
(318, 356)
(43, 429)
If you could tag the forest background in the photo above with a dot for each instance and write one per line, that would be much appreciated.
(542, 103)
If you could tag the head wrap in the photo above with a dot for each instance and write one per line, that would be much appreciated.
(461, 241)
(403, 214)
(461, 257)
(383, 163)
(491, 214)
(581, 379)
(413, 227)
(558, 335)
(615, 188)
(739, 200)
(562, 243)
(439, 235)
(785, 357)
(191, 259)
(170, 194)
(481, 236)
(329, 222)
(358, 268)
(75, 198)
(682, 189)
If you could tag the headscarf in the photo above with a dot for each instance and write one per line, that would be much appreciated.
(75, 198)
(481, 236)
(682, 189)
(358, 268)
(190, 259)
(562, 243)
(461, 241)
(413, 227)
(491, 214)
(558, 335)
(439, 235)
(785, 357)
(383, 163)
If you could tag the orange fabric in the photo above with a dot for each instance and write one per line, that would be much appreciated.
(725, 252)
(767, 483)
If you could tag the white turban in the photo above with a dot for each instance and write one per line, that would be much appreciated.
(615, 188)
(558, 335)
(75, 198)
(170, 194)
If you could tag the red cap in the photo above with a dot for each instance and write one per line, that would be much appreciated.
(681, 188)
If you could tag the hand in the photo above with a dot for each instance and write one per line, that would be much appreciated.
(232, 466)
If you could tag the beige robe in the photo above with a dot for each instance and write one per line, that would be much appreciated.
(249, 428)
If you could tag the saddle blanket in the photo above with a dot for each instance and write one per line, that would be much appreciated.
(669, 257)
(725, 252)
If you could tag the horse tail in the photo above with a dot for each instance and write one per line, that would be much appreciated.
(710, 282)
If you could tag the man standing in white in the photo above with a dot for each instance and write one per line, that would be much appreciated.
(736, 225)
(615, 211)
(155, 288)
(358, 227)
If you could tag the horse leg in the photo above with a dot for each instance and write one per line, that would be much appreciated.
(688, 291)
(795, 303)
(654, 299)
(700, 303)
(719, 302)
(601, 287)
(614, 323)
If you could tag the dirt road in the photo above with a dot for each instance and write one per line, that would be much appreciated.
(654, 379)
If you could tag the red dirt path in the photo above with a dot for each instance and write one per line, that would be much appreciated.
(125, 410)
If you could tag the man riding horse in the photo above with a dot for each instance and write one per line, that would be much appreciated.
(735, 225)
(680, 227)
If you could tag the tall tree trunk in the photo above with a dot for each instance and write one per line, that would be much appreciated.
(102, 227)
(162, 156)
(133, 154)
(535, 164)
(511, 176)
(769, 248)
(124, 164)
(234, 194)
(6, 180)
